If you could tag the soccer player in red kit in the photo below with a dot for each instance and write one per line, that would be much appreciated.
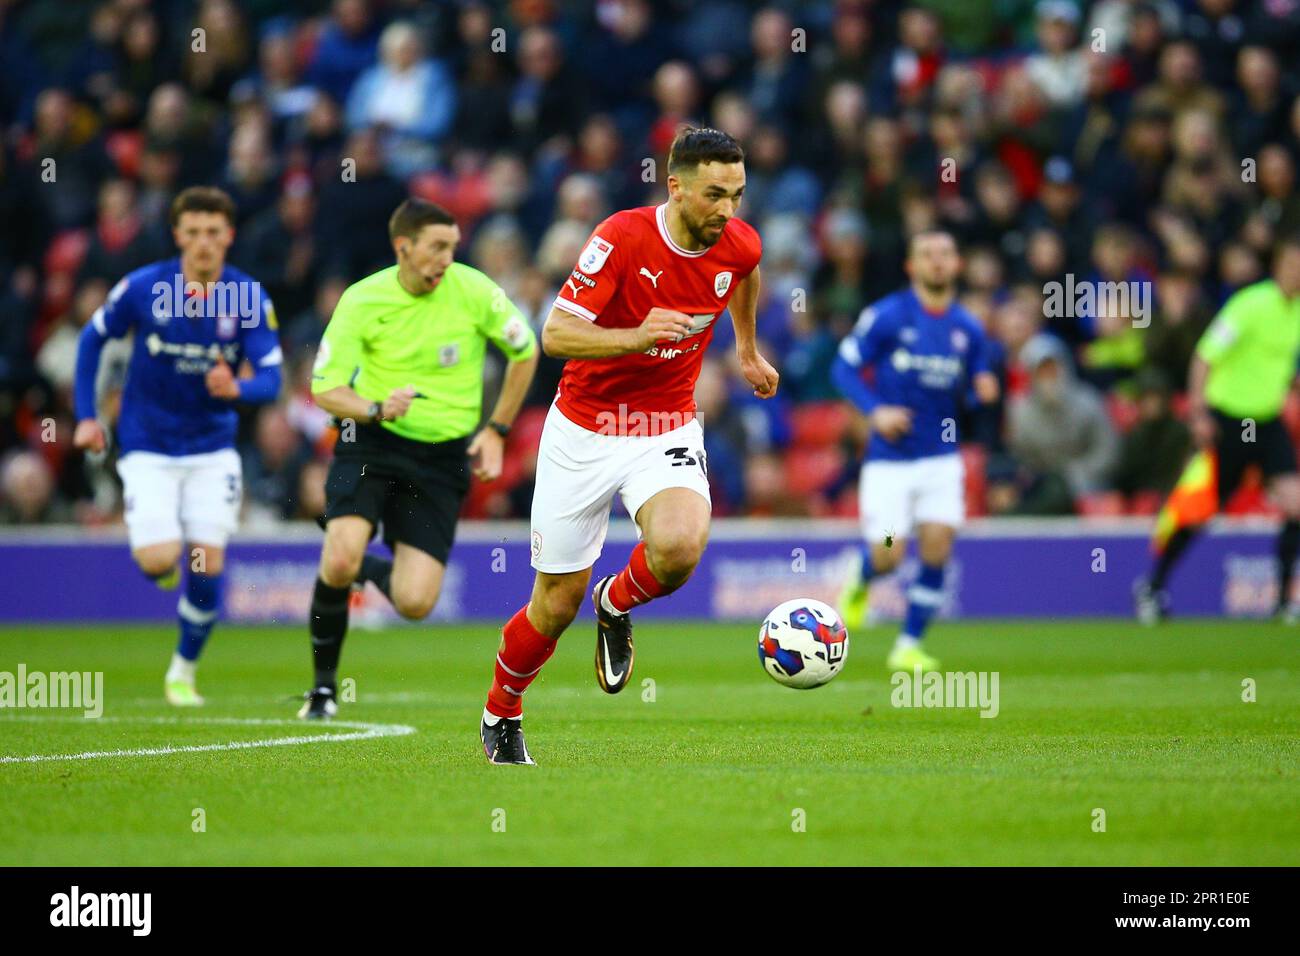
(634, 319)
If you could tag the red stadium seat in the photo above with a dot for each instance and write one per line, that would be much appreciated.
(1251, 497)
(810, 471)
(67, 251)
(975, 461)
(819, 424)
(1100, 504)
(1123, 412)
(527, 430)
(125, 148)
(846, 505)
(1145, 503)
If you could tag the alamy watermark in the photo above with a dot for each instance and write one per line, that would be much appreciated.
(1088, 299)
(956, 689)
(235, 299)
(639, 424)
(130, 910)
(77, 690)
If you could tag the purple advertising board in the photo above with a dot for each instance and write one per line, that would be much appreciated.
(1046, 568)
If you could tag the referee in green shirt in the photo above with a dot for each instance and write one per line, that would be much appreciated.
(1244, 366)
(401, 367)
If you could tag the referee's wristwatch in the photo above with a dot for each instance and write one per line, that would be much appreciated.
(500, 429)
(376, 411)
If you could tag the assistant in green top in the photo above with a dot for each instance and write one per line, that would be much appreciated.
(1252, 348)
(382, 338)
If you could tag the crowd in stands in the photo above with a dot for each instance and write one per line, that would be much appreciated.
(1151, 144)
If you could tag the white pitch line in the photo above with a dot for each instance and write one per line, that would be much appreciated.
(360, 731)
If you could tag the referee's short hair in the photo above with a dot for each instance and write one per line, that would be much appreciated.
(414, 214)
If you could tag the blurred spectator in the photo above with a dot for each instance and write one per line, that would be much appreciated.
(1181, 316)
(27, 490)
(1058, 68)
(411, 98)
(279, 247)
(355, 233)
(272, 466)
(120, 242)
(1059, 432)
(1153, 453)
(548, 99)
(347, 45)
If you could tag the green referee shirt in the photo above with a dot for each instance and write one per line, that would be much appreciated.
(1252, 347)
(435, 343)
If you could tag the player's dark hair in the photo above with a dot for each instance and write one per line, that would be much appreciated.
(695, 145)
(202, 199)
(929, 231)
(414, 214)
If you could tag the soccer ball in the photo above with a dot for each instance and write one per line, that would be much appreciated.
(803, 643)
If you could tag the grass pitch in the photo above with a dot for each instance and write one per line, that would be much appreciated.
(718, 765)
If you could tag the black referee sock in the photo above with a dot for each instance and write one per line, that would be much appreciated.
(377, 570)
(1288, 544)
(1174, 548)
(329, 624)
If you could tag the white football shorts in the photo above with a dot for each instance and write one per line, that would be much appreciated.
(895, 496)
(191, 498)
(579, 472)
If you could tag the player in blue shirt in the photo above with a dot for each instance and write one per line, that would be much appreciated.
(927, 358)
(195, 319)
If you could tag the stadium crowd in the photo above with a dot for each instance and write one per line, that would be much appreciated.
(1149, 144)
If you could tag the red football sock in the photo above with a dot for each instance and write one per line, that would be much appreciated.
(524, 650)
(635, 585)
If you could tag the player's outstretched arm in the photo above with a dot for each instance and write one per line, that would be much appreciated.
(569, 337)
(89, 434)
(760, 374)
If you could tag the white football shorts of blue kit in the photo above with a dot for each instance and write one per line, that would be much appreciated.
(192, 498)
(895, 496)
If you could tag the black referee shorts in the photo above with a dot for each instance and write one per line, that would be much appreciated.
(1271, 450)
(413, 489)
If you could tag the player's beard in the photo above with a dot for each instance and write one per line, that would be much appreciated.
(697, 231)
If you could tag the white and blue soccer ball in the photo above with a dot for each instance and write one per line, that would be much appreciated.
(803, 643)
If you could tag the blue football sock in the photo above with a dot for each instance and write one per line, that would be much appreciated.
(923, 599)
(198, 609)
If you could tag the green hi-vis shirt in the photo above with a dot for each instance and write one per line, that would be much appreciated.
(1252, 348)
(435, 343)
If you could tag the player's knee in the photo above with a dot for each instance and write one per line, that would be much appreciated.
(338, 568)
(414, 606)
(885, 560)
(156, 562)
(205, 559)
(673, 557)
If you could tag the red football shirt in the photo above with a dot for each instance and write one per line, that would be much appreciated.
(630, 266)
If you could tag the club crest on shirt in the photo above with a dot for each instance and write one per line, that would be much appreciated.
(593, 257)
(959, 340)
(226, 325)
(721, 283)
(449, 355)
